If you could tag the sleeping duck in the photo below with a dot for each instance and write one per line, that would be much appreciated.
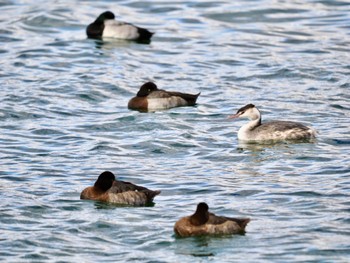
(108, 189)
(202, 222)
(150, 98)
(106, 27)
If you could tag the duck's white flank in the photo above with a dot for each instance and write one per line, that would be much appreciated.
(165, 103)
(117, 29)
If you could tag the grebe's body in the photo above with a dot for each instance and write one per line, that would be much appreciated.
(255, 130)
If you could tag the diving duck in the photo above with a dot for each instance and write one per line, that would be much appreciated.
(202, 222)
(106, 27)
(150, 98)
(108, 189)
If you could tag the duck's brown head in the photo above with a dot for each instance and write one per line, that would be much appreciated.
(146, 89)
(105, 181)
(201, 215)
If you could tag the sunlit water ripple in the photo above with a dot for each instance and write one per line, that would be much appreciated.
(63, 120)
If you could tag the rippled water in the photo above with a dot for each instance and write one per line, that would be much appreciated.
(63, 120)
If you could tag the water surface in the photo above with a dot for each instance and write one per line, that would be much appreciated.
(64, 120)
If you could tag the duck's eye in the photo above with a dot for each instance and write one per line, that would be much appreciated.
(149, 90)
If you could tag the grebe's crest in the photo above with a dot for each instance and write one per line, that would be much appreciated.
(245, 108)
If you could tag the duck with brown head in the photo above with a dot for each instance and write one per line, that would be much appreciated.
(108, 189)
(202, 222)
(150, 98)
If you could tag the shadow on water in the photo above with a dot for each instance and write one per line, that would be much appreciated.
(340, 142)
(202, 246)
(194, 246)
(262, 146)
(100, 43)
(103, 205)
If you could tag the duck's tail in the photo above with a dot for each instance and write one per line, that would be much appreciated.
(242, 222)
(190, 98)
(151, 194)
(145, 35)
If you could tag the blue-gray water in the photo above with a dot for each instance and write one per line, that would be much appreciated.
(64, 120)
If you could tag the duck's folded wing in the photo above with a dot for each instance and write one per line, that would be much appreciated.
(128, 198)
(162, 94)
(190, 98)
(120, 187)
(217, 220)
(159, 94)
(242, 222)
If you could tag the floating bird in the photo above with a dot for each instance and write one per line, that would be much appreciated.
(150, 98)
(108, 189)
(255, 131)
(106, 27)
(202, 222)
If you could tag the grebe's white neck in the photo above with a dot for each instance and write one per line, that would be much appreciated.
(253, 114)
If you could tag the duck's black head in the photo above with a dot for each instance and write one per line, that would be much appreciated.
(146, 89)
(105, 16)
(105, 181)
(201, 215)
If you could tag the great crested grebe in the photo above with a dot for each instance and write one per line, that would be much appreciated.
(270, 131)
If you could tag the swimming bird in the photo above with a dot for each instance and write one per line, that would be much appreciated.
(106, 27)
(202, 222)
(108, 189)
(150, 98)
(255, 131)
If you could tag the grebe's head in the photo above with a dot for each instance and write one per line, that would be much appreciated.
(248, 111)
